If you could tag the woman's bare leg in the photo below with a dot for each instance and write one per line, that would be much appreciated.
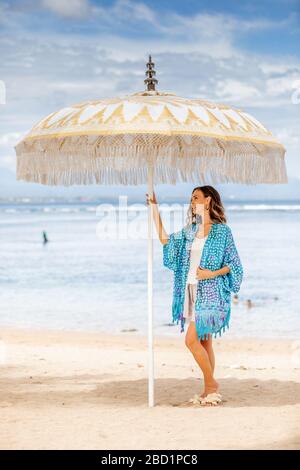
(207, 344)
(202, 358)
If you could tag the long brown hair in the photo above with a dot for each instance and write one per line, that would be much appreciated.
(216, 208)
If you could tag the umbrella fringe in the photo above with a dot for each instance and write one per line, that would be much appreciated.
(124, 160)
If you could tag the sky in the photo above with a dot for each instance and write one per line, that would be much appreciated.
(242, 53)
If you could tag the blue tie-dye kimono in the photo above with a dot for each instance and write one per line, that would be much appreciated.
(213, 300)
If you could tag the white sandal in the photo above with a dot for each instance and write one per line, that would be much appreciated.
(212, 399)
(196, 400)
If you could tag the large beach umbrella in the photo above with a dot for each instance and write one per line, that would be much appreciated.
(150, 137)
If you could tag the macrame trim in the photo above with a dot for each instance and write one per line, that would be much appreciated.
(125, 159)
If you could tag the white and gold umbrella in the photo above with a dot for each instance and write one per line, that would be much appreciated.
(113, 141)
(150, 137)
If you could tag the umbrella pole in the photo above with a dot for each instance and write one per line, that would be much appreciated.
(150, 291)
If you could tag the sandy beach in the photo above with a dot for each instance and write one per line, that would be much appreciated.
(73, 390)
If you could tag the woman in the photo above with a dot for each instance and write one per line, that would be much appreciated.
(207, 268)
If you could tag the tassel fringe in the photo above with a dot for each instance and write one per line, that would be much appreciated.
(205, 328)
(124, 159)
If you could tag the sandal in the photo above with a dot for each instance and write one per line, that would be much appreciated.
(196, 400)
(212, 399)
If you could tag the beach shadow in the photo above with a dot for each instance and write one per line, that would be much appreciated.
(169, 392)
(236, 393)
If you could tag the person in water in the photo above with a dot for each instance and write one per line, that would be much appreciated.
(45, 238)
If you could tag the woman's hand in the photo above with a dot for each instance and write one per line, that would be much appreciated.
(203, 273)
(151, 200)
(163, 236)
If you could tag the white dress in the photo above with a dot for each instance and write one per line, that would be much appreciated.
(196, 252)
(191, 283)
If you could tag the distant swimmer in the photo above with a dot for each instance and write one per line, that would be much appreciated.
(45, 238)
(249, 303)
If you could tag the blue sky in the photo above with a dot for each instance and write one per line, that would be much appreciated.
(242, 53)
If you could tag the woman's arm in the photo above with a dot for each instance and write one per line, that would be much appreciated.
(220, 272)
(172, 243)
(202, 273)
(163, 236)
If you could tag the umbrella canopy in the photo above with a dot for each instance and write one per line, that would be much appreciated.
(112, 141)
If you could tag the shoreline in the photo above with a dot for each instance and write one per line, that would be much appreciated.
(227, 336)
(88, 390)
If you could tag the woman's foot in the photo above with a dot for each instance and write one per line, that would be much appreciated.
(212, 387)
(211, 395)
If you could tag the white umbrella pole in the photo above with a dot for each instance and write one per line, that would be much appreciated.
(150, 291)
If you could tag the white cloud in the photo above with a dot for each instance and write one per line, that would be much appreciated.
(67, 8)
(216, 25)
(9, 139)
(235, 91)
(8, 162)
(2, 92)
(119, 11)
(279, 85)
(132, 10)
(289, 137)
(278, 67)
(7, 153)
(263, 24)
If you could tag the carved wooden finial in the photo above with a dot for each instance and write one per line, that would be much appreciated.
(150, 81)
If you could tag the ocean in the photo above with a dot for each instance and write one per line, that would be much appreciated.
(92, 273)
